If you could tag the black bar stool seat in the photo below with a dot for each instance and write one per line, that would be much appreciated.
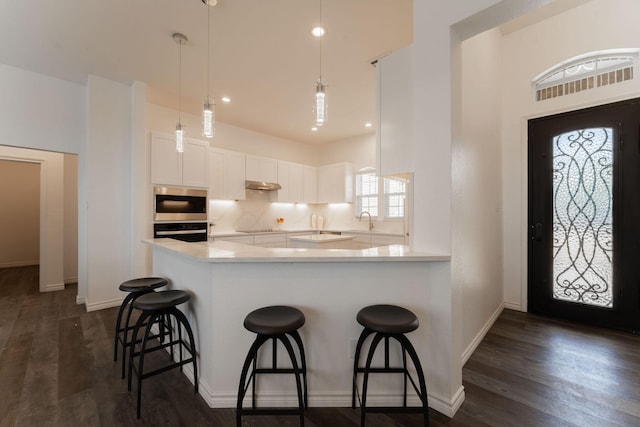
(135, 288)
(161, 308)
(273, 323)
(386, 321)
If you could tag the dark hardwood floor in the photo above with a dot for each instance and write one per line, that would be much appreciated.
(57, 369)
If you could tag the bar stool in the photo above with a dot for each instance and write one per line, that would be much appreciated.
(388, 321)
(273, 323)
(135, 288)
(160, 307)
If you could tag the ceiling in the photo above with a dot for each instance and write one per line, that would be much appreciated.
(262, 53)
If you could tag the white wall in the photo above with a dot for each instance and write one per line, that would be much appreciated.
(476, 183)
(228, 137)
(526, 53)
(20, 213)
(439, 27)
(41, 112)
(61, 128)
(109, 190)
(359, 150)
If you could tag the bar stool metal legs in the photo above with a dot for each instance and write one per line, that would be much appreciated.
(135, 288)
(385, 323)
(157, 308)
(274, 324)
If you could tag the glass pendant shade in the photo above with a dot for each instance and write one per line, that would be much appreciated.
(179, 138)
(208, 120)
(321, 105)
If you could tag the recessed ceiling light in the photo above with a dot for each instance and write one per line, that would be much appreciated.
(318, 32)
(225, 99)
(314, 129)
(368, 124)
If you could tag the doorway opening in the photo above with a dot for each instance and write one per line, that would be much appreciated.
(40, 224)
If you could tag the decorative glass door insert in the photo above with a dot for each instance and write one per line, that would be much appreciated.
(583, 217)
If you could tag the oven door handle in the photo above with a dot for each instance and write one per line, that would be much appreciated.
(175, 233)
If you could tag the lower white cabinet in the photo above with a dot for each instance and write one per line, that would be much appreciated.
(384, 240)
(245, 240)
(372, 240)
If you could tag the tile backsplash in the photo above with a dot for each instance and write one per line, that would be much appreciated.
(257, 212)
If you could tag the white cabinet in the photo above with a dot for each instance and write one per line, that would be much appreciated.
(360, 240)
(261, 169)
(194, 164)
(310, 184)
(245, 240)
(168, 167)
(226, 174)
(290, 178)
(395, 113)
(385, 240)
(335, 183)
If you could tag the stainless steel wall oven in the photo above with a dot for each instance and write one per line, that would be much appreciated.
(179, 204)
(184, 231)
(180, 213)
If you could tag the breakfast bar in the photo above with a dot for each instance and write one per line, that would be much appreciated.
(227, 280)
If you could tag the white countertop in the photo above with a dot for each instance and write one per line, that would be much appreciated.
(225, 252)
(229, 233)
(322, 238)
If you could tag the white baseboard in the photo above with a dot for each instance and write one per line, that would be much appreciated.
(513, 306)
(447, 407)
(70, 280)
(19, 264)
(54, 287)
(80, 300)
(476, 341)
(102, 305)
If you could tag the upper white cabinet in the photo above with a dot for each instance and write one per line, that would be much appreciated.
(395, 113)
(194, 164)
(168, 167)
(261, 169)
(335, 183)
(226, 174)
(290, 178)
(310, 184)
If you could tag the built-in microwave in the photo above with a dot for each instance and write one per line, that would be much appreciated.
(179, 204)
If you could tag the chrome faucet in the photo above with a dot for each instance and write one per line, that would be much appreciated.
(370, 223)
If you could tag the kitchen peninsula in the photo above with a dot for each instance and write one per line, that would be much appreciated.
(227, 280)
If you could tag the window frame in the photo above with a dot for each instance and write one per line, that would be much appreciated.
(382, 197)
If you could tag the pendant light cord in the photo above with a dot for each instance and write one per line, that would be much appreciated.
(321, 42)
(208, 50)
(180, 83)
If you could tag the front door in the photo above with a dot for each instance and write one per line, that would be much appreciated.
(584, 215)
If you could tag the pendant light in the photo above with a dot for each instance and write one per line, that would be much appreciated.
(180, 39)
(320, 100)
(208, 111)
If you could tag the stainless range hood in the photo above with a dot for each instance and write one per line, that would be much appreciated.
(261, 185)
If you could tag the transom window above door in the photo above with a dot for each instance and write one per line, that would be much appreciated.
(586, 72)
